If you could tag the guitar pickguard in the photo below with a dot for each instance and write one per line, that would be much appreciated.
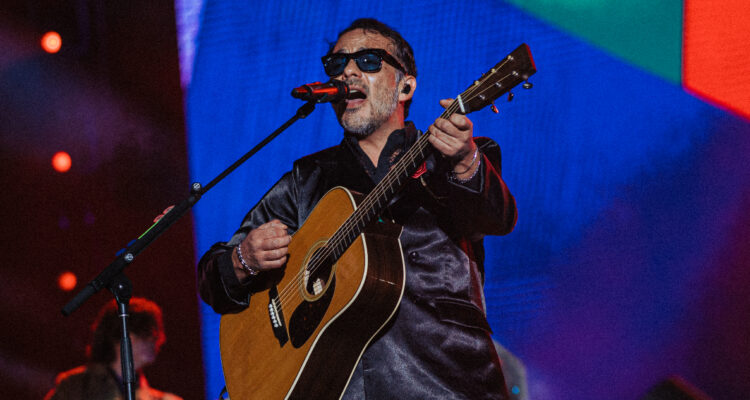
(306, 318)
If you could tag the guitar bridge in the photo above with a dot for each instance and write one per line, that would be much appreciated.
(277, 317)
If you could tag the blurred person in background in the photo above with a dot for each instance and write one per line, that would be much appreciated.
(101, 377)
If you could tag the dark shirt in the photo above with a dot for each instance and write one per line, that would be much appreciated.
(395, 147)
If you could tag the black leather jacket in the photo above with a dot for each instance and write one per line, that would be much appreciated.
(438, 344)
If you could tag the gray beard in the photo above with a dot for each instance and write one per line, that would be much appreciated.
(363, 126)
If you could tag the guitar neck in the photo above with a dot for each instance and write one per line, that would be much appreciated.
(376, 201)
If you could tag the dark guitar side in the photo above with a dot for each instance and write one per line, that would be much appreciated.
(369, 281)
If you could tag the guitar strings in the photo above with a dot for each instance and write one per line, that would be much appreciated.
(338, 239)
(359, 216)
(356, 218)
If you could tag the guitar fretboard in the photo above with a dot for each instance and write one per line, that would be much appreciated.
(376, 201)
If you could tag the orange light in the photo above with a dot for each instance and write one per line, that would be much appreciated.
(61, 161)
(51, 42)
(67, 281)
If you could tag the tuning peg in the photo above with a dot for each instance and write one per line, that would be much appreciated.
(510, 96)
(528, 85)
(493, 107)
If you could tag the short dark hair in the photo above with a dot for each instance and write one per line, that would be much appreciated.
(404, 52)
(145, 320)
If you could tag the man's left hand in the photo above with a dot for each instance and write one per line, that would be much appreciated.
(454, 138)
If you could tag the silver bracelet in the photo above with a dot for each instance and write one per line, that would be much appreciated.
(250, 270)
(455, 177)
(473, 160)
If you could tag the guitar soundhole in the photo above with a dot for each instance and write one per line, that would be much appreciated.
(318, 272)
(319, 284)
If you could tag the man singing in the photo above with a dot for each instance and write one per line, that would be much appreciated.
(438, 344)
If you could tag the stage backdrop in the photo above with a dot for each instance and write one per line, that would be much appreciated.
(629, 262)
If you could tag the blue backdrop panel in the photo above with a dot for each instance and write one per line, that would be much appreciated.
(629, 254)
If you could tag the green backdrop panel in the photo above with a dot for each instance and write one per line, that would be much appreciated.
(645, 33)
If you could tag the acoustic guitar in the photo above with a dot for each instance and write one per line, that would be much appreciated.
(302, 337)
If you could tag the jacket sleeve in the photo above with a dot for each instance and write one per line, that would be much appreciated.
(482, 206)
(217, 283)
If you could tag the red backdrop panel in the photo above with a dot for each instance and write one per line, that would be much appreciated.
(716, 52)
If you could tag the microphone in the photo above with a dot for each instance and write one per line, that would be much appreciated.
(331, 91)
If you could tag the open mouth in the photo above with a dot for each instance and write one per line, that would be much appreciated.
(355, 94)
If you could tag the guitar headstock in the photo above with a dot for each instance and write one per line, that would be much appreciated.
(515, 68)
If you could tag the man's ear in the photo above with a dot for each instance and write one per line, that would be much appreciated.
(408, 85)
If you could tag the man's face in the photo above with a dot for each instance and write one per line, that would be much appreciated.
(362, 116)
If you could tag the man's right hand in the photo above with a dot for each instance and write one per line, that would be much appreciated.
(264, 248)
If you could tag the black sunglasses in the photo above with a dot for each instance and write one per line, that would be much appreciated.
(368, 60)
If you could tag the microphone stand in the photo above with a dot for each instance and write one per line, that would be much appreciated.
(122, 288)
(113, 276)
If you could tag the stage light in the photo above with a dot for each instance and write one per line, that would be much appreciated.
(67, 281)
(61, 161)
(51, 42)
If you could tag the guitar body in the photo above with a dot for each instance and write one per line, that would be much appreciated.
(303, 336)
